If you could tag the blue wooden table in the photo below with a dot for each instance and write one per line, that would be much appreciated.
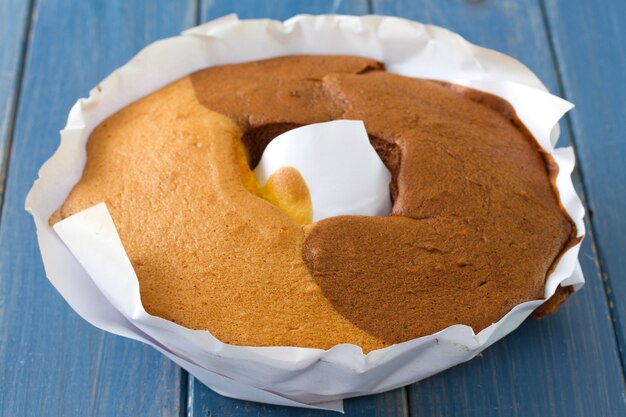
(53, 363)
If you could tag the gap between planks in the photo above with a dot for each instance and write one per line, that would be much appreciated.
(583, 187)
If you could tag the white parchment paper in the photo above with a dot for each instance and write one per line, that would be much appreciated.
(85, 260)
(343, 172)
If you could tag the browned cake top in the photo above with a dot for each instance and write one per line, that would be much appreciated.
(476, 223)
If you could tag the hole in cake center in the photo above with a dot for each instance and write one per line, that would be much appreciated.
(336, 162)
(285, 189)
(255, 140)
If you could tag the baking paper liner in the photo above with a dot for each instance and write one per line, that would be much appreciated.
(343, 172)
(84, 258)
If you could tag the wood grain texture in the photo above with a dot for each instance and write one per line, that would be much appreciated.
(565, 365)
(52, 362)
(205, 402)
(279, 9)
(14, 24)
(589, 42)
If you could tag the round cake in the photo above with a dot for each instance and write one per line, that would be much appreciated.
(475, 228)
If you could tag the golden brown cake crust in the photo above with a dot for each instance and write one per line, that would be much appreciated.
(475, 227)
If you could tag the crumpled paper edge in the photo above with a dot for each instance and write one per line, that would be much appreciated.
(296, 363)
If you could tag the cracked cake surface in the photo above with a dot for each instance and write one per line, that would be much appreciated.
(475, 228)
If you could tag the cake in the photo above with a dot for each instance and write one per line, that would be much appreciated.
(475, 228)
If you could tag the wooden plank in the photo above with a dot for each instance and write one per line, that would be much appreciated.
(14, 23)
(51, 361)
(589, 44)
(565, 365)
(279, 9)
(205, 402)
